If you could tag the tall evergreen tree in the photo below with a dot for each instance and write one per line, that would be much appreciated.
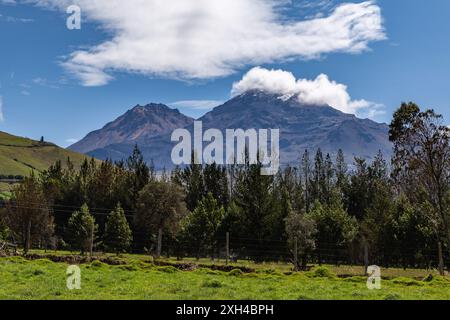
(139, 173)
(216, 182)
(193, 183)
(118, 235)
(341, 169)
(306, 175)
(82, 229)
(200, 228)
(335, 227)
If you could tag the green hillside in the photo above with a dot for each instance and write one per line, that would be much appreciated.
(18, 156)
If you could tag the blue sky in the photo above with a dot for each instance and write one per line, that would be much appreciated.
(45, 91)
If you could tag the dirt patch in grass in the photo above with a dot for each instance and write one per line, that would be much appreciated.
(193, 266)
(179, 266)
(75, 259)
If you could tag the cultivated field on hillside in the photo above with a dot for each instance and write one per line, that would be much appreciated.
(19, 156)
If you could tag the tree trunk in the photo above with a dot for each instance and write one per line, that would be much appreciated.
(91, 241)
(443, 214)
(441, 260)
(366, 257)
(158, 249)
(296, 265)
(27, 238)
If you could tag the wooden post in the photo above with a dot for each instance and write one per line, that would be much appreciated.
(228, 247)
(91, 244)
(366, 257)
(28, 238)
(295, 254)
(441, 260)
(158, 250)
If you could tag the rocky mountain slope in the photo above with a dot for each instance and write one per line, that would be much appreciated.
(301, 127)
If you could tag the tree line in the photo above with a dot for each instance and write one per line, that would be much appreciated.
(398, 208)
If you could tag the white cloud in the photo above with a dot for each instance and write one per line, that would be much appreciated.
(1, 109)
(8, 2)
(43, 82)
(14, 19)
(320, 91)
(72, 140)
(200, 39)
(197, 104)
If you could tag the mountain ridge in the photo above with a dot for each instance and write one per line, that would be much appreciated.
(301, 127)
(146, 121)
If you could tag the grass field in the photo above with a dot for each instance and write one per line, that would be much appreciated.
(18, 156)
(5, 190)
(140, 279)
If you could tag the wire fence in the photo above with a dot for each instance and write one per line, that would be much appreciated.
(255, 250)
(233, 248)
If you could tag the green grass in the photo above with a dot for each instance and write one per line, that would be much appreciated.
(5, 190)
(18, 156)
(43, 279)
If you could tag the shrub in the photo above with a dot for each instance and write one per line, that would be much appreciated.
(235, 273)
(209, 271)
(97, 264)
(321, 272)
(407, 282)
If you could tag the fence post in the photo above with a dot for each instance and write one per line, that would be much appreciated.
(295, 254)
(366, 257)
(91, 244)
(228, 247)
(441, 259)
(158, 250)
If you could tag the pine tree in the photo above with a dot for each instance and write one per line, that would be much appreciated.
(254, 206)
(200, 228)
(193, 182)
(118, 235)
(334, 225)
(139, 173)
(318, 182)
(306, 174)
(357, 193)
(216, 182)
(341, 170)
(82, 229)
(329, 179)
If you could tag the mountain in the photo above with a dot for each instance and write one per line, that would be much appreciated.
(138, 124)
(18, 156)
(301, 127)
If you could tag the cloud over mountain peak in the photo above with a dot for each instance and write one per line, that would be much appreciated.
(319, 91)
